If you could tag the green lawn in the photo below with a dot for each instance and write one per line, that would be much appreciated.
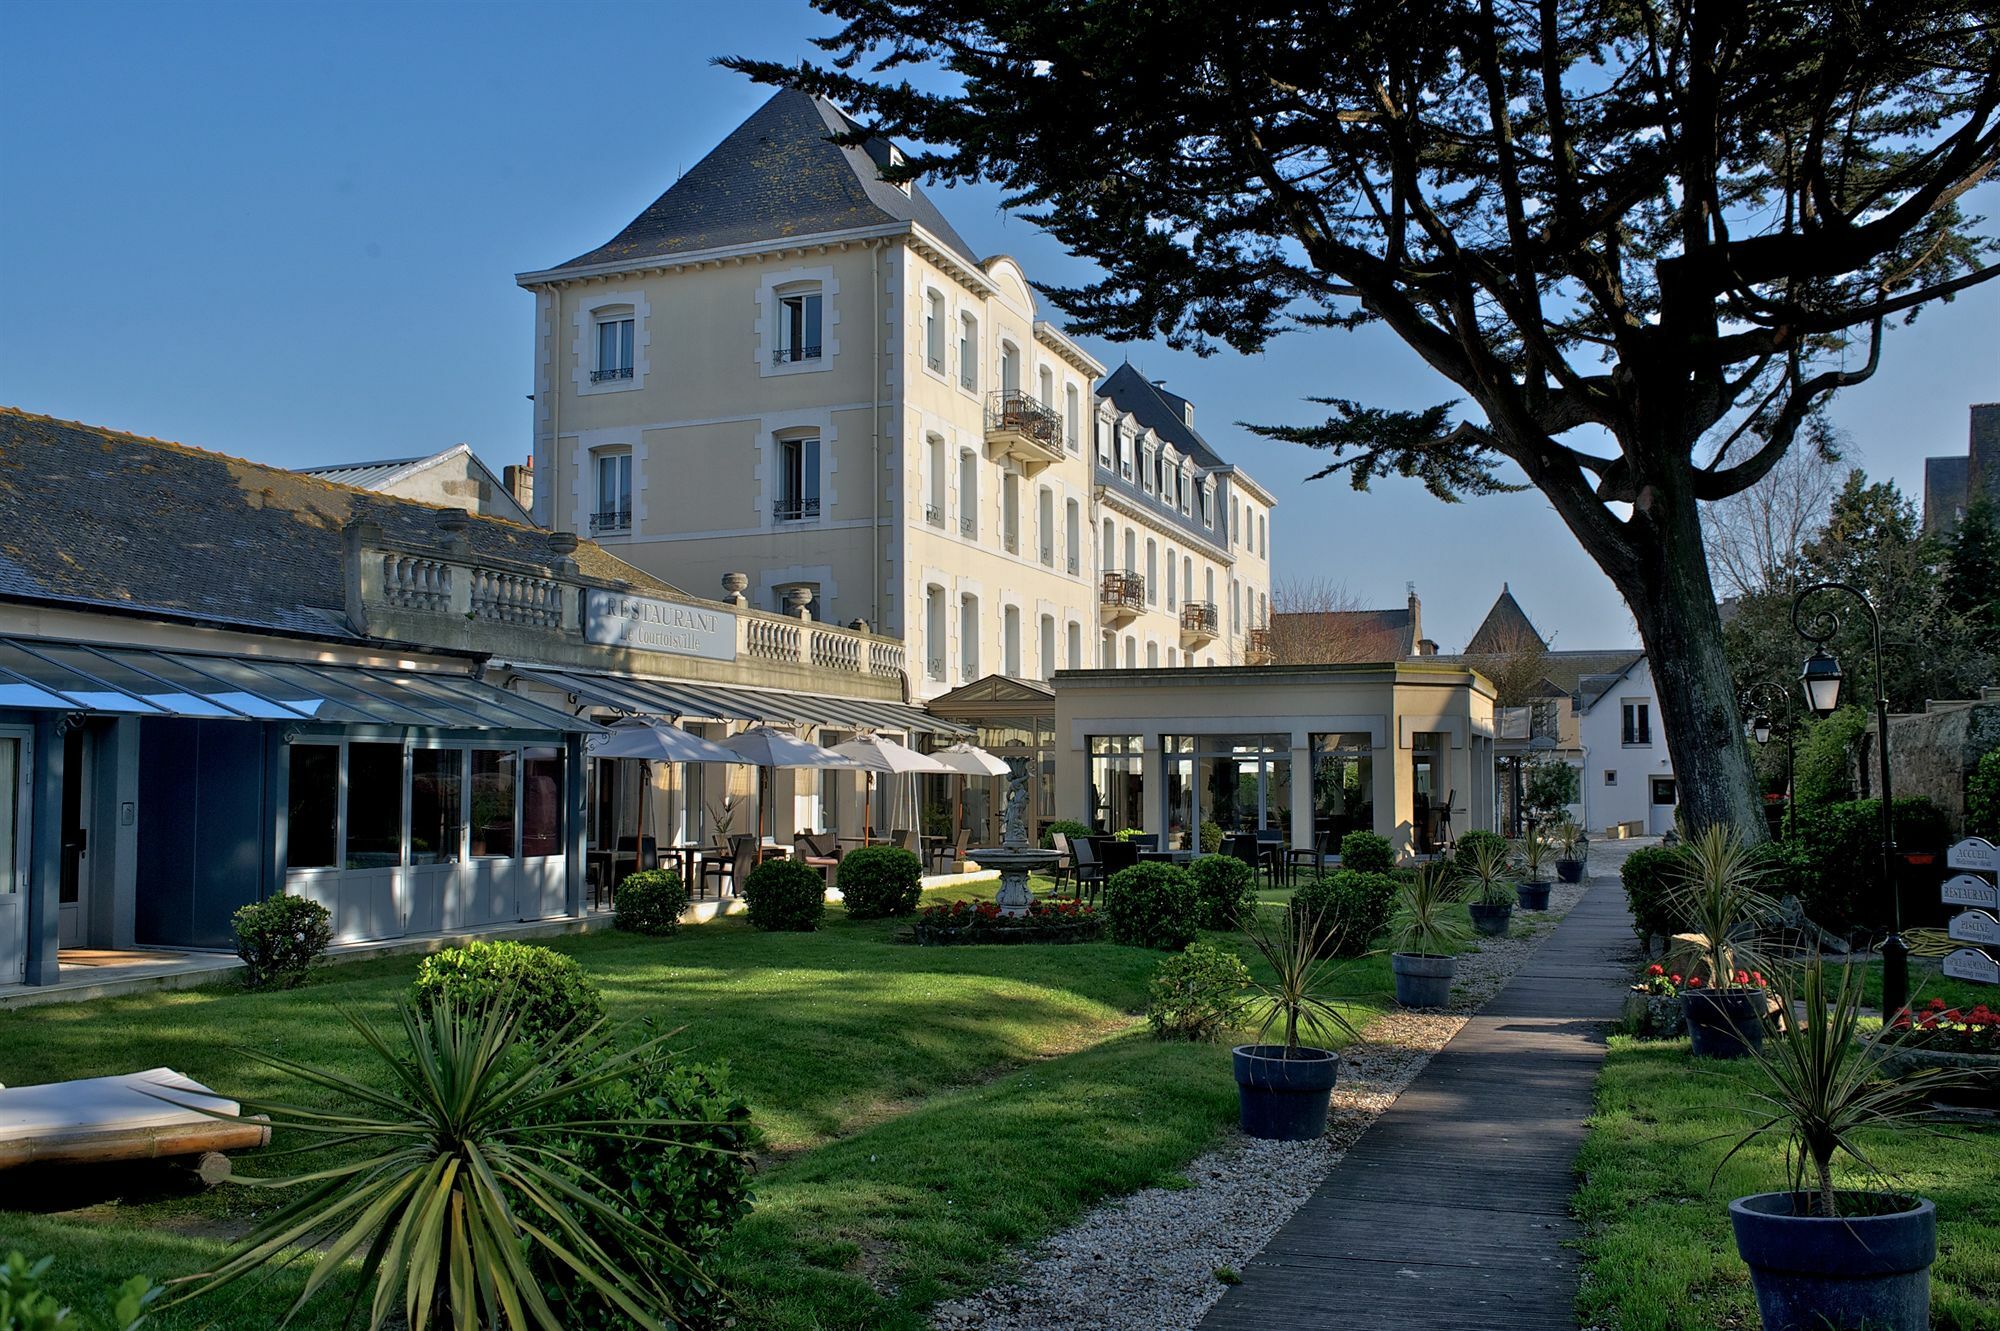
(923, 1109)
(1658, 1250)
(1926, 983)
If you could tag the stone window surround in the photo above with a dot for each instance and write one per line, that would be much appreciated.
(583, 349)
(767, 323)
(582, 476)
(790, 425)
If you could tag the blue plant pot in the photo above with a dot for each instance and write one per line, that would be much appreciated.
(1724, 1023)
(1534, 896)
(1284, 1099)
(1811, 1272)
(1569, 871)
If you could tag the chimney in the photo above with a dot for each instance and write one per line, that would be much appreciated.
(1417, 638)
(520, 483)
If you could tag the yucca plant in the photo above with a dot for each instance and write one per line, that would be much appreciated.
(1487, 875)
(1719, 895)
(1299, 974)
(1422, 922)
(462, 1179)
(1826, 1085)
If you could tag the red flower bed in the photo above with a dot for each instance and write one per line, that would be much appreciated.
(982, 922)
(1950, 1030)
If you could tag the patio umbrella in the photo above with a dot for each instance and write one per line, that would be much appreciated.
(883, 755)
(653, 741)
(968, 761)
(762, 746)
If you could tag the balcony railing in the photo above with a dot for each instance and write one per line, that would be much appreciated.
(1123, 589)
(934, 515)
(1073, 565)
(795, 510)
(611, 519)
(1049, 556)
(968, 528)
(936, 667)
(1257, 648)
(1012, 542)
(1020, 427)
(1200, 619)
(792, 355)
(615, 372)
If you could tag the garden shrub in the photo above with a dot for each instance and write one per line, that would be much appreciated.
(1651, 876)
(278, 938)
(1466, 850)
(879, 881)
(1196, 995)
(1224, 888)
(785, 895)
(1366, 852)
(651, 902)
(1982, 798)
(1069, 827)
(1823, 767)
(1152, 905)
(689, 1183)
(26, 1306)
(1349, 906)
(1211, 837)
(551, 993)
(1841, 847)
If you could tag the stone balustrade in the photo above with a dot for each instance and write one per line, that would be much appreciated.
(516, 598)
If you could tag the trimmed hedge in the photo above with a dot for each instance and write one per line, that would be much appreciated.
(1350, 907)
(1840, 881)
(551, 993)
(1069, 827)
(1467, 847)
(1651, 875)
(1196, 995)
(1365, 852)
(880, 881)
(1152, 905)
(278, 938)
(651, 902)
(785, 896)
(1224, 888)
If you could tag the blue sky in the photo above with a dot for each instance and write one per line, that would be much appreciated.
(289, 232)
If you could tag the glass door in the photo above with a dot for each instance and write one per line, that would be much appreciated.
(16, 746)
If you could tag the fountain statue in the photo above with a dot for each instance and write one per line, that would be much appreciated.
(1014, 857)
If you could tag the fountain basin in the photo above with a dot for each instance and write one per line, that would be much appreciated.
(1015, 863)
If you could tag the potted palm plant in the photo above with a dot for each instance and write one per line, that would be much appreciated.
(1569, 851)
(1719, 897)
(1820, 1255)
(1533, 852)
(1424, 938)
(1282, 1089)
(1488, 883)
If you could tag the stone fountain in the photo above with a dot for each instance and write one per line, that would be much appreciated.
(1014, 857)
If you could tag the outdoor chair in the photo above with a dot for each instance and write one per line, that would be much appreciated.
(730, 869)
(1245, 846)
(1145, 841)
(1088, 869)
(948, 853)
(1321, 852)
(819, 850)
(1064, 864)
(904, 838)
(1115, 854)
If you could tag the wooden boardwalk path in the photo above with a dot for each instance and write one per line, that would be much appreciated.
(1452, 1211)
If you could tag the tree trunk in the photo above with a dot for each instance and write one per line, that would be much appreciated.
(1670, 595)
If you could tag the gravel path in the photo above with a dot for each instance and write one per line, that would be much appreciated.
(1156, 1260)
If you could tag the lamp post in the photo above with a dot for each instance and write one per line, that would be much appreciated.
(1821, 677)
(1769, 716)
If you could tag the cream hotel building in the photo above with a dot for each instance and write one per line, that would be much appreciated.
(795, 380)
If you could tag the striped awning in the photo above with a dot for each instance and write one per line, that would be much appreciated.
(641, 695)
(50, 675)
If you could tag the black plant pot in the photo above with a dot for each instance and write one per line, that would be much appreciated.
(1570, 871)
(1423, 981)
(1724, 1023)
(1812, 1272)
(1490, 920)
(1534, 896)
(1284, 1099)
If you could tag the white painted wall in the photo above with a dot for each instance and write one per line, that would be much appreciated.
(1601, 733)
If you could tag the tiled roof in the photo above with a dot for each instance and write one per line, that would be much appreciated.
(1164, 413)
(124, 522)
(1583, 675)
(776, 175)
(1505, 629)
(1360, 635)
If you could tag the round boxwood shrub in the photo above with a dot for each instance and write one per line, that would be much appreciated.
(1467, 848)
(278, 937)
(878, 881)
(1152, 905)
(550, 992)
(1652, 875)
(1842, 845)
(1365, 852)
(651, 902)
(1196, 995)
(1224, 888)
(1069, 827)
(1347, 907)
(785, 895)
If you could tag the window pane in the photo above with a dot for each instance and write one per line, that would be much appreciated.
(10, 816)
(374, 805)
(493, 803)
(809, 471)
(542, 801)
(312, 827)
(437, 821)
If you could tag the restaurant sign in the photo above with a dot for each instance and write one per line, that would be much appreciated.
(1970, 890)
(648, 624)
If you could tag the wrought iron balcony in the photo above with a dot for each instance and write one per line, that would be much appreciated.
(1012, 542)
(936, 667)
(1201, 623)
(792, 355)
(1122, 597)
(1257, 649)
(968, 528)
(615, 372)
(611, 519)
(1019, 427)
(795, 510)
(1073, 565)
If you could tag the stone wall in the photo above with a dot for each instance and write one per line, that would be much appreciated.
(1931, 753)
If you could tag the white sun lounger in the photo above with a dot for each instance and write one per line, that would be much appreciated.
(139, 1116)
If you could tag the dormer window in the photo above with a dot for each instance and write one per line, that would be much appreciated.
(798, 325)
(614, 344)
(1208, 505)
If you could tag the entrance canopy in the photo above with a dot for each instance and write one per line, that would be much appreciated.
(718, 702)
(47, 675)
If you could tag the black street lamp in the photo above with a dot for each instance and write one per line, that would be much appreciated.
(1766, 698)
(1821, 677)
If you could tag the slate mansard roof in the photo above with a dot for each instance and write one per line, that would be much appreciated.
(777, 175)
(106, 520)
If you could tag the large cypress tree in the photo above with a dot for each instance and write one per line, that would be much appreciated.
(1644, 239)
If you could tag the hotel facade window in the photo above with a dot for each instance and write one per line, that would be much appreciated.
(968, 353)
(798, 479)
(1010, 641)
(1117, 783)
(614, 345)
(612, 510)
(1071, 411)
(1048, 646)
(1242, 783)
(1010, 511)
(934, 331)
(1045, 525)
(1046, 384)
(1075, 656)
(968, 637)
(1073, 536)
(1638, 723)
(934, 504)
(968, 495)
(1010, 368)
(798, 324)
(936, 650)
